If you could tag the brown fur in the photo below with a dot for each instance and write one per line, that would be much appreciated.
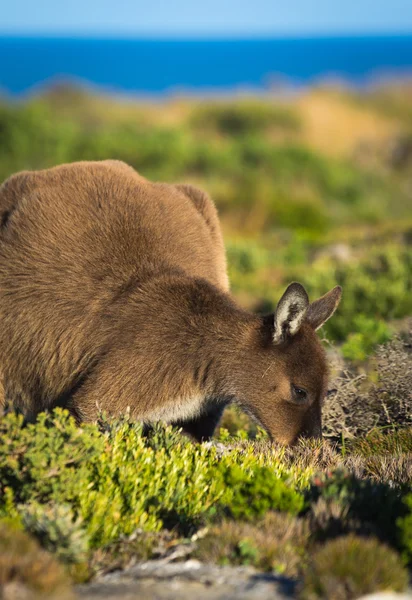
(114, 297)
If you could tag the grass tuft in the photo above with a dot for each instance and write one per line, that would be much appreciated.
(277, 542)
(350, 567)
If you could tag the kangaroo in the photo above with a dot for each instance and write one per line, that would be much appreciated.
(114, 297)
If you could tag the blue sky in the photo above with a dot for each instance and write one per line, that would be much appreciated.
(205, 18)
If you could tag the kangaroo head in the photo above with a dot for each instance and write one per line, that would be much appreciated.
(285, 384)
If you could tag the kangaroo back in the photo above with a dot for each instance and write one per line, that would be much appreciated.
(77, 238)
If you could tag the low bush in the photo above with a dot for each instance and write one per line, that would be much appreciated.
(235, 422)
(371, 507)
(278, 543)
(111, 490)
(240, 118)
(356, 406)
(57, 530)
(27, 571)
(261, 490)
(263, 181)
(376, 288)
(404, 525)
(118, 480)
(246, 257)
(350, 567)
(369, 333)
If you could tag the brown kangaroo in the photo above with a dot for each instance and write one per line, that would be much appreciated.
(114, 297)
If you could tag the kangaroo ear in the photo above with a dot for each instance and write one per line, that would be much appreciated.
(322, 309)
(290, 312)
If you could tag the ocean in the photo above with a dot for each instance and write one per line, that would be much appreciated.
(158, 67)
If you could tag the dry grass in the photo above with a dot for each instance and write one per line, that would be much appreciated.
(351, 567)
(129, 550)
(393, 470)
(276, 543)
(27, 571)
(335, 125)
(384, 457)
(329, 519)
(354, 409)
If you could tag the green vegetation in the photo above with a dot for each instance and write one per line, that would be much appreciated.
(245, 118)
(298, 201)
(405, 529)
(58, 531)
(83, 491)
(285, 202)
(376, 288)
(284, 184)
(53, 462)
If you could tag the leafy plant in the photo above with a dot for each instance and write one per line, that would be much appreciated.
(118, 480)
(57, 530)
(248, 496)
(369, 333)
(404, 525)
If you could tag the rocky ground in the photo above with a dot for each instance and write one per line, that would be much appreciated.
(159, 580)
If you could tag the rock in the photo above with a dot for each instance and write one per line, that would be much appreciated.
(160, 580)
(387, 596)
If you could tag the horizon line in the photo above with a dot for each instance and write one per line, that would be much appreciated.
(207, 37)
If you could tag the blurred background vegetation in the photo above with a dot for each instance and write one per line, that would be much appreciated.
(316, 187)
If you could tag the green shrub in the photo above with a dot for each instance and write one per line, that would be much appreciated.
(246, 257)
(376, 288)
(57, 530)
(235, 422)
(404, 525)
(119, 481)
(350, 567)
(375, 506)
(114, 482)
(251, 495)
(242, 117)
(369, 334)
(46, 460)
(261, 183)
(307, 214)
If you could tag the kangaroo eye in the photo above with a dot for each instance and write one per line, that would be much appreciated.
(299, 394)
